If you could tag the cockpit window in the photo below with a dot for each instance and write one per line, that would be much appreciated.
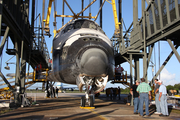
(68, 27)
(77, 25)
(83, 24)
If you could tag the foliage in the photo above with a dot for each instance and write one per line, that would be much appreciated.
(125, 91)
(175, 87)
(169, 87)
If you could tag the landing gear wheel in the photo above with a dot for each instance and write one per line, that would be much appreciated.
(91, 101)
(83, 101)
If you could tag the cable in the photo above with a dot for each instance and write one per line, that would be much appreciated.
(90, 6)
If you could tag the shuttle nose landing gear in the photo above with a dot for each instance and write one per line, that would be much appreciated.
(92, 85)
(89, 93)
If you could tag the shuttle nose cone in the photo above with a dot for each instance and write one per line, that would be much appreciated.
(94, 61)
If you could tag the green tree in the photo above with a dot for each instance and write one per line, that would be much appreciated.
(177, 87)
(169, 87)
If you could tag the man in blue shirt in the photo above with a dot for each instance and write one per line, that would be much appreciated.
(163, 99)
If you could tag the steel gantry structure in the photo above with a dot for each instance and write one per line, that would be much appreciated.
(28, 41)
(160, 21)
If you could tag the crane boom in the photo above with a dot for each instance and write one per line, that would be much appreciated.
(48, 16)
(117, 30)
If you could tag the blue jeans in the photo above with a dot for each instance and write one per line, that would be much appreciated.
(144, 98)
(158, 108)
(163, 105)
(136, 104)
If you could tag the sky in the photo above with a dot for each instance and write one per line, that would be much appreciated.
(170, 75)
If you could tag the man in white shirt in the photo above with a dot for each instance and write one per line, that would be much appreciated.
(163, 99)
(156, 92)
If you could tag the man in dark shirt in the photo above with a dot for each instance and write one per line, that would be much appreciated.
(156, 92)
(135, 96)
(57, 92)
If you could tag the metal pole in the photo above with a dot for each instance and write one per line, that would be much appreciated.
(32, 16)
(1, 12)
(23, 63)
(120, 11)
(135, 77)
(63, 14)
(121, 48)
(131, 77)
(145, 55)
(136, 59)
(100, 14)
(149, 57)
(17, 77)
(135, 12)
(23, 72)
(82, 7)
(131, 69)
(143, 6)
(43, 10)
(137, 69)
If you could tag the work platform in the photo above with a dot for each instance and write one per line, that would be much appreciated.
(66, 107)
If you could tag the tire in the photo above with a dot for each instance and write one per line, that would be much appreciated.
(83, 101)
(91, 101)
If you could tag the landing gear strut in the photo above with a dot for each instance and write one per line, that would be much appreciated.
(92, 85)
(88, 98)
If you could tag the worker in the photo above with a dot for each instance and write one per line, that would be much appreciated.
(163, 99)
(119, 92)
(118, 72)
(156, 92)
(57, 92)
(38, 70)
(144, 90)
(135, 95)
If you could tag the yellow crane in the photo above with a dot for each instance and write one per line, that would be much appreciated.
(117, 29)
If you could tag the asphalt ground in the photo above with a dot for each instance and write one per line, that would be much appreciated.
(67, 107)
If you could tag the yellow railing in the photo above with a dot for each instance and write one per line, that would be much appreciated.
(44, 73)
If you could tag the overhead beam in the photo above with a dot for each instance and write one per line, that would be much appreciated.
(4, 40)
(86, 7)
(174, 49)
(69, 7)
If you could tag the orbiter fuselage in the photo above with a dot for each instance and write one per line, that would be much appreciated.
(82, 53)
